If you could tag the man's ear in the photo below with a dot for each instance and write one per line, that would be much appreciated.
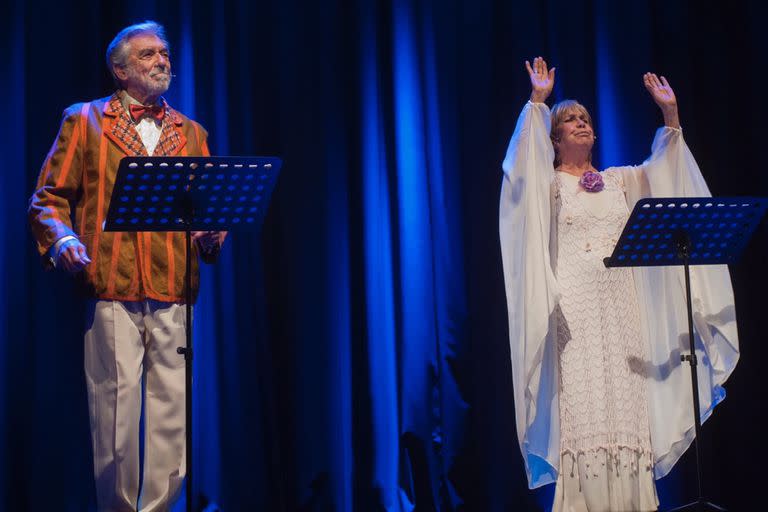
(120, 72)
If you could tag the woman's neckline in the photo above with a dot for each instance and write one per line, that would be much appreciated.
(564, 173)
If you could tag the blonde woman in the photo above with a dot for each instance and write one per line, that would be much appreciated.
(602, 400)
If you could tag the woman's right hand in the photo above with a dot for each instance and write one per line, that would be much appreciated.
(542, 80)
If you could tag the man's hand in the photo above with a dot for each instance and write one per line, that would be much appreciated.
(542, 80)
(72, 256)
(209, 241)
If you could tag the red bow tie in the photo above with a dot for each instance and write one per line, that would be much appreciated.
(138, 111)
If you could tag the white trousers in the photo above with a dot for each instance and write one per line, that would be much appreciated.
(125, 342)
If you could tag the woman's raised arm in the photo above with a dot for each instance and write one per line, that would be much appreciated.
(542, 80)
(664, 96)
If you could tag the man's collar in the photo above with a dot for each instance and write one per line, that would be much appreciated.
(115, 107)
(127, 100)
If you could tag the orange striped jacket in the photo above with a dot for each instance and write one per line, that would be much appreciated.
(79, 172)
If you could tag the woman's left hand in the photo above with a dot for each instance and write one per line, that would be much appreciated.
(664, 96)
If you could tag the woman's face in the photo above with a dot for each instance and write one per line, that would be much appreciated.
(575, 132)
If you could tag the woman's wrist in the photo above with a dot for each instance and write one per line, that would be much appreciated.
(671, 117)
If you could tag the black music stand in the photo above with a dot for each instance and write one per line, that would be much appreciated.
(191, 193)
(688, 231)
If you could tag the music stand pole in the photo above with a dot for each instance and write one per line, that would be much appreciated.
(683, 243)
(187, 353)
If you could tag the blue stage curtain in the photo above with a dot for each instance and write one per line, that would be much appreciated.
(353, 355)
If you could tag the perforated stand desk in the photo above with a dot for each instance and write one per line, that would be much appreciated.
(187, 194)
(688, 231)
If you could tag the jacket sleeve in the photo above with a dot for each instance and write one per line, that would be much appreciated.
(212, 255)
(58, 184)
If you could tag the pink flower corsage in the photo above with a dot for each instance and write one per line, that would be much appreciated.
(592, 181)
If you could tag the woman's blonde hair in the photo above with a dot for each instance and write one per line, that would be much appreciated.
(559, 112)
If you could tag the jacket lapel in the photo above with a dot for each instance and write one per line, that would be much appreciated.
(119, 128)
(172, 139)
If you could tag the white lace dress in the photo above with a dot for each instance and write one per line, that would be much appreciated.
(606, 457)
(600, 393)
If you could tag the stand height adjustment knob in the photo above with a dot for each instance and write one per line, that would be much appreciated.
(186, 352)
(689, 357)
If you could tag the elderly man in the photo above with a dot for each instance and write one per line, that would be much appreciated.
(136, 317)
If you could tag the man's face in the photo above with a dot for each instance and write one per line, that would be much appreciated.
(148, 69)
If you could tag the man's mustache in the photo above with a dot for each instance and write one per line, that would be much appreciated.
(159, 71)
